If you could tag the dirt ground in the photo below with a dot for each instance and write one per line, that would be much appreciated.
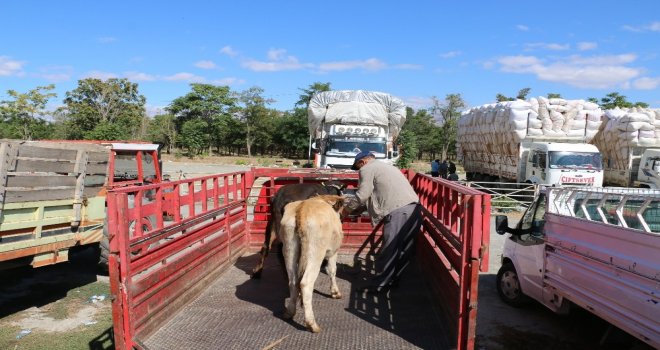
(66, 306)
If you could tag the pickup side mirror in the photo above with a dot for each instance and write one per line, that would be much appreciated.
(502, 224)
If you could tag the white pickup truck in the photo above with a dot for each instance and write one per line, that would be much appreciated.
(598, 248)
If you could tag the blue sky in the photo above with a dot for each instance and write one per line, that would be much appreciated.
(412, 49)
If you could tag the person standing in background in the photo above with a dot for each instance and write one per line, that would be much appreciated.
(435, 168)
(443, 169)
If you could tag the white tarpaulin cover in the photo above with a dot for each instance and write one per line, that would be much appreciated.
(356, 107)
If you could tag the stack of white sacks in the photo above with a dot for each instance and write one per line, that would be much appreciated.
(625, 128)
(499, 128)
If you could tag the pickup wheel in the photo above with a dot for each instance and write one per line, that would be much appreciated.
(508, 286)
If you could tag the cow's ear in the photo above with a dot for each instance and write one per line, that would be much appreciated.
(338, 204)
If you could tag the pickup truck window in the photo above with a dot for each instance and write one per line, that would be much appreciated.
(534, 218)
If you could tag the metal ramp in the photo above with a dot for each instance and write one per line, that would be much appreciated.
(236, 312)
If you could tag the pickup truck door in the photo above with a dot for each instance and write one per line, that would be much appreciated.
(530, 250)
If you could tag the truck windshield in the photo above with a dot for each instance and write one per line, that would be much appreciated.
(341, 146)
(575, 160)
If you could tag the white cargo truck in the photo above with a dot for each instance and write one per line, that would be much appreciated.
(630, 145)
(597, 248)
(532, 141)
(344, 123)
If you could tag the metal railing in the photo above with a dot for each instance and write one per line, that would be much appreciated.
(506, 196)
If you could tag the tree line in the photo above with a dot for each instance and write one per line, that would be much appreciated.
(212, 119)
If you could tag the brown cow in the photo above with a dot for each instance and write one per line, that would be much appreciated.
(285, 195)
(311, 231)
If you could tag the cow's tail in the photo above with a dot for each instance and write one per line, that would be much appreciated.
(304, 247)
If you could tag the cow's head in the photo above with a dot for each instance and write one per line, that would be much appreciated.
(335, 185)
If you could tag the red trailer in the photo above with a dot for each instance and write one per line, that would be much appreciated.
(184, 282)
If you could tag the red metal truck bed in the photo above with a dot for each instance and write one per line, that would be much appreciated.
(236, 312)
(159, 270)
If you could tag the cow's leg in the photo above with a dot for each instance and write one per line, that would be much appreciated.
(291, 255)
(270, 235)
(307, 289)
(332, 271)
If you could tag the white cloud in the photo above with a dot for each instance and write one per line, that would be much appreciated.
(184, 76)
(371, 64)
(139, 76)
(652, 27)
(646, 83)
(100, 75)
(522, 27)
(408, 66)
(229, 51)
(547, 46)
(450, 54)
(55, 74)
(106, 40)
(205, 64)
(275, 54)
(228, 81)
(9, 67)
(583, 72)
(277, 61)
(586, 45)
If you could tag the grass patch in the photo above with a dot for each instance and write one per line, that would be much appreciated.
(96, 336)
(61, 309)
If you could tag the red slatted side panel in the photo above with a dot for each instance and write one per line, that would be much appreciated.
(168, 239)
(452, 248)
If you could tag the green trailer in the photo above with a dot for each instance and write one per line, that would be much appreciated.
(52, 194)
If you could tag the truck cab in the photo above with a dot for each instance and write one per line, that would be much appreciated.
(557, 164)
(344, 141)
(648, 174)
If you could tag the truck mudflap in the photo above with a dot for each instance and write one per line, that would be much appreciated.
(156, 269)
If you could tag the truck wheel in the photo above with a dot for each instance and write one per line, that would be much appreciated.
(148, 224)
(508, 286)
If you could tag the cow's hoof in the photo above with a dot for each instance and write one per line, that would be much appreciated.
(256, 273)
(314, 328)
(287, 315)
(336, 295)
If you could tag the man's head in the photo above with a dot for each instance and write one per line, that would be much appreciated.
(361, 159)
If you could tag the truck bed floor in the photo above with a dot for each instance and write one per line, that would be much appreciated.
(236, 312)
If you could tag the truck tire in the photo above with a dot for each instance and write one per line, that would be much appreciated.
(508, 286)
(148, 224)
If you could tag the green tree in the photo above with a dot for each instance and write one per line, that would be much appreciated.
(292, 133)
(407, 141)
(208, 103)
(448, 112)
(106, 131)
(502, 98)
(253, 114)
(22, 116)
(553, 95)
(427, 133)
(522, 94)
(194, 136)
(614, 99)
(97, 103)
(162, 130)
(306, 96)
